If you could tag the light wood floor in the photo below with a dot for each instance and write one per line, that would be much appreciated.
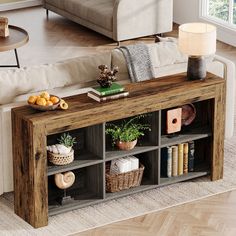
(58, 39)
(213, 216)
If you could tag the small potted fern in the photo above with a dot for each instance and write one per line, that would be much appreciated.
(62, 153)
(126, 134)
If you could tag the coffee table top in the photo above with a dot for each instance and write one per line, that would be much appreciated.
(17, 38)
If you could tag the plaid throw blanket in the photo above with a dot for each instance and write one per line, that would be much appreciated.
(138, 61)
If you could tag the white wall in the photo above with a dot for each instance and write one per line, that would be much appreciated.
(186, 11)
(189, 11)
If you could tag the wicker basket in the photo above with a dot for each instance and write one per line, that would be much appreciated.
(118, 182)
(61, 159)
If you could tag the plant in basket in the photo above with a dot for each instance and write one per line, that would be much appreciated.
(62, 153)
(126, 134)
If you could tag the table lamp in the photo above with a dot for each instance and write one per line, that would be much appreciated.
(197, 40)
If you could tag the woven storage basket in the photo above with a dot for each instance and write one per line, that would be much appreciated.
(118, 182)
(61, 159)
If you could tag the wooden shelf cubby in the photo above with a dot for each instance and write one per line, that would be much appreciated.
(36, 196)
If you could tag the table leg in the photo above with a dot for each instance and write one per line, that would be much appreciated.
(17, 59)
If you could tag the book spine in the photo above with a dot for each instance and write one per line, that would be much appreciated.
(115, 96)
(191, 156)
(180, 159)
(174, 160)
(164, 158)
(166, 162)
(185, 169)
(111, 91)
(93, 97)
(169, 162)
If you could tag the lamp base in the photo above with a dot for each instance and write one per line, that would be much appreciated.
(196, 68)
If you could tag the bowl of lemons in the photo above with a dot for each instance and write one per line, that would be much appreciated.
(46, 102)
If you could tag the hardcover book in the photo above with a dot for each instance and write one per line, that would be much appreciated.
(166, 162)
(180, 159)
(115, 88)
(185, 169)
(174, 160)
(108, 97)
(191, 156)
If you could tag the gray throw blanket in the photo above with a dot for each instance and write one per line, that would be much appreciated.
(138, 61)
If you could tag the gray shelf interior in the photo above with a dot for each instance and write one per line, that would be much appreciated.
(98, 152)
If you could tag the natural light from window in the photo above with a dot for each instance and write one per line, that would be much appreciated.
(220, 11)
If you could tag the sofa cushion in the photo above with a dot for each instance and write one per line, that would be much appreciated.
(57, 3)
(45, 77)
(98, 12)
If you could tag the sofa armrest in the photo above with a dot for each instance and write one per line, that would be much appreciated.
(1, 153)
(135, 18)
(229, 75)
(6, 163)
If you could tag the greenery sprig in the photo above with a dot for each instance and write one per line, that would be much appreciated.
(129, 129)
(67, 140)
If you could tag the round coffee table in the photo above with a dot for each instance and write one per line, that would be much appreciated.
(17, 38)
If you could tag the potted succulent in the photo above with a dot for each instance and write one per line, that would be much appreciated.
(125, 134)
(62, 153)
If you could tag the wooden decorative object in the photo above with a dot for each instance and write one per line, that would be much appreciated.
(174, 120)
(65, 180)
(4, 31)
(188, 114)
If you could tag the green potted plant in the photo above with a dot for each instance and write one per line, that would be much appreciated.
(125, 134)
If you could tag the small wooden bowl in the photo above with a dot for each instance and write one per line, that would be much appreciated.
(188, 114)
(46, 108)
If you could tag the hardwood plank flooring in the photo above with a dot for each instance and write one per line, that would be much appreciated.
(57, 39)
(212, 216)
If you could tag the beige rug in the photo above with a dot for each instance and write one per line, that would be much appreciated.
(123, 208)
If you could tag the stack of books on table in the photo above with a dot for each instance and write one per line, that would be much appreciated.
(100, 94)
(177, 159)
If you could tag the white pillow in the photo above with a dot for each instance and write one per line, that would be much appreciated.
(166, 53)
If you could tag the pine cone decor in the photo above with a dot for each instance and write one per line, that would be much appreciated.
(107, 76)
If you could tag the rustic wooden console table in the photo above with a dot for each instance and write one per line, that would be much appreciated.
(32, 130)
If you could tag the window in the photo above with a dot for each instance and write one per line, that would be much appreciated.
(221, 11)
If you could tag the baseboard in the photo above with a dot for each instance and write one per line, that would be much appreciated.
(20, 4)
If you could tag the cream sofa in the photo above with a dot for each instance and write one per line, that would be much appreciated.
(75, 75)
(117, 19)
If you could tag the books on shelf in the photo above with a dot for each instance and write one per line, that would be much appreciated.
(107, 97)
(166, 161)
(177, 160)
(191, 156)
(180, 159)
(174, 160)
(185, 158)
(115, 88)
